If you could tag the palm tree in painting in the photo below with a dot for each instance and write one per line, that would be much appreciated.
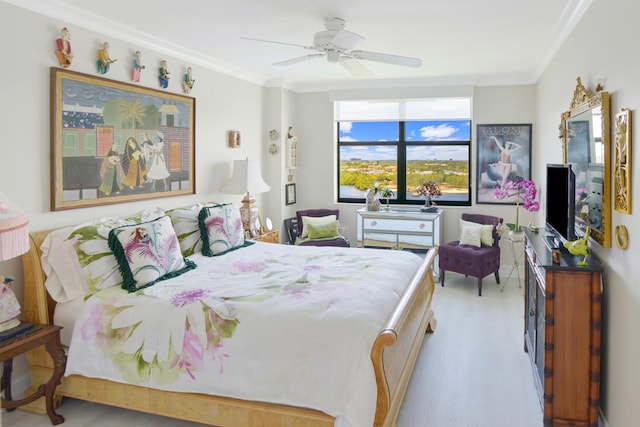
(131, 113)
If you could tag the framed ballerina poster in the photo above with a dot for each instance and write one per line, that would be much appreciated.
(115, 142)
(504, 154)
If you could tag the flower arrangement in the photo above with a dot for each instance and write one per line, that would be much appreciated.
(582, 198)
(386, 193)
(429, 189)
(526, 193)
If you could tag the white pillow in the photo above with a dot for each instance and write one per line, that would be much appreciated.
(315, 220)
(470, 236)
(486, 235)
(64, 281)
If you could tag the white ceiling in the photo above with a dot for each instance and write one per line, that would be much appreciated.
(459, 41)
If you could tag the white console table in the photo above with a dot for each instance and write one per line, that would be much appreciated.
(399, 228)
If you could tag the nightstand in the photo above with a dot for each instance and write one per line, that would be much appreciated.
(49, 336)
(269, 237)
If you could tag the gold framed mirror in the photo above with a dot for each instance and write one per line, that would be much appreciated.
(585, 132)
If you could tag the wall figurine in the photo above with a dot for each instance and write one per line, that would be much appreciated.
(188, 81)
(164, 76)
(104, 59)
(63, 51)
(137, 66)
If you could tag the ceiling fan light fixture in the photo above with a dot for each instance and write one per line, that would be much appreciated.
(333, 56)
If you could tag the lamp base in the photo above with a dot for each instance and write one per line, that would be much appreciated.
(249, 212)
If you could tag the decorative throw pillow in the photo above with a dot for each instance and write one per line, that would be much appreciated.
(470, 236)
(486, 235)
(221, 229)
(315, 220)
(187, 227)
(147, 253)
(324, 231)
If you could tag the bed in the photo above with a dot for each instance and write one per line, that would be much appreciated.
(392, 352)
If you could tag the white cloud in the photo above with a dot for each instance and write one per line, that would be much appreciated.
(437, 132)
(345, 127)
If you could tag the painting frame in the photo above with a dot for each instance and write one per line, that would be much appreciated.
(116, 142)
(492, 155)
(290, 193)
(622, 162)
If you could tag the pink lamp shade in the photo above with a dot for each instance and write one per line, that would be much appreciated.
(14, 230)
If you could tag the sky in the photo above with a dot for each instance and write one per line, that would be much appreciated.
(441, 131)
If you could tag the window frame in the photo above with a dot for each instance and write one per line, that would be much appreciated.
(402, 145)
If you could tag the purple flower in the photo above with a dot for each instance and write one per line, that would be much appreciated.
(525, 192)
(189, 296)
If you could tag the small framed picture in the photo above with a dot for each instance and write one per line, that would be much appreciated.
(234, 139)
(290, 191)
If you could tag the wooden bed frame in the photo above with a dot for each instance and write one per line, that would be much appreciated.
(393, 356)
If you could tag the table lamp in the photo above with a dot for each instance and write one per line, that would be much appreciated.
(247, 179)
(14, 241)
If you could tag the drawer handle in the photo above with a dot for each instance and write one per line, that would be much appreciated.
(374, 223)
(421, 226)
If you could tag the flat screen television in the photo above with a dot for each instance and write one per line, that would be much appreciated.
(560, 200)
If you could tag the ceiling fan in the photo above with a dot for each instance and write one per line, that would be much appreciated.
(338, 44)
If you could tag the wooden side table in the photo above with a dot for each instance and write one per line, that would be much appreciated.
(49, 336)
(269, 237)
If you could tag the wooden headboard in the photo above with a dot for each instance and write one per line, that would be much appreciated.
(38, 304)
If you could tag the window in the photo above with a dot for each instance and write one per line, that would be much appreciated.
(430, 142)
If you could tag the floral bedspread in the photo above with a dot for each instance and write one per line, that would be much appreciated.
(276, 323)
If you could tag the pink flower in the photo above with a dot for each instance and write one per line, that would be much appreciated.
(191, 359)
(248, 266)
(189, 296)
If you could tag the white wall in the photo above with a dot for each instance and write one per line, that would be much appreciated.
(604, 45)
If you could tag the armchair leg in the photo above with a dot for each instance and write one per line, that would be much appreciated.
(479, 286)
(497, 274)
(442, 278)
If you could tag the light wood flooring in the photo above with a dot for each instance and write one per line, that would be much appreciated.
(472, 372)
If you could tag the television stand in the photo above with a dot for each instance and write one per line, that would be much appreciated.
(552, 240)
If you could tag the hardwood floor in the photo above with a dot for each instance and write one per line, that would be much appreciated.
(472, 372)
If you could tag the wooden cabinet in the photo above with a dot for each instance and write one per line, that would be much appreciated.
(269, 237)
(562, 328)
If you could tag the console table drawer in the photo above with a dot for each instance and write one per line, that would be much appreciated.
(414, 226)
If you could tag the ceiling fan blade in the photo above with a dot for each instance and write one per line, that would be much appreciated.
(387, 58)
(284, 43)
(347, 40)
(299, 59)
(355, 68)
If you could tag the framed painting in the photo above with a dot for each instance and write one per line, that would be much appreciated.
(114, 142)
(504, 152)
(290, 193)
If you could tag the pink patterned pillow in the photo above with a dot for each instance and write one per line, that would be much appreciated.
(148, 253)
(221, 229)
